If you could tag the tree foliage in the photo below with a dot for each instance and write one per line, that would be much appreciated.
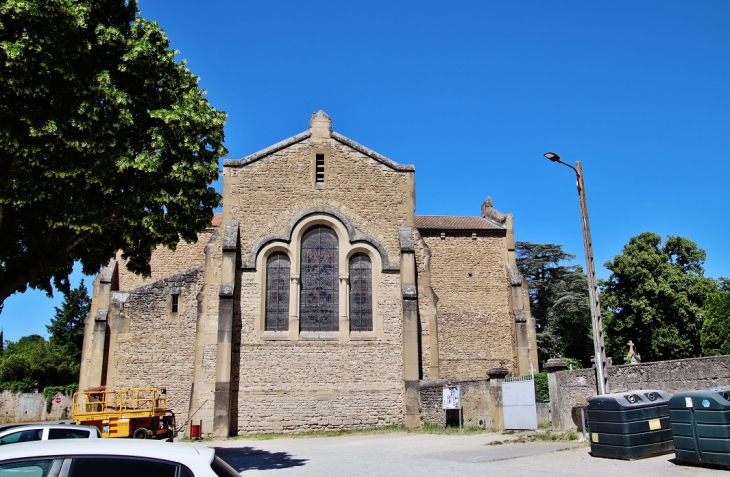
(716, 326)
(558, 301)
(106, 141)
(67, 326)
(654, 297)
(35, 363)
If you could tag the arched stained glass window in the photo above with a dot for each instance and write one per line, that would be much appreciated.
(361, 293)
(277, 292)
(319, 280)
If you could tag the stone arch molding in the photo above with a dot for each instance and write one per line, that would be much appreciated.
(324, 213)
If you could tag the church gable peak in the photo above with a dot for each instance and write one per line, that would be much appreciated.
(320, 125)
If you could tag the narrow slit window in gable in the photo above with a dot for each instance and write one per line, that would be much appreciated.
(320, 168)
(175, 304)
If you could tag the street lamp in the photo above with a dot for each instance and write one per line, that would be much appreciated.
(598, 346)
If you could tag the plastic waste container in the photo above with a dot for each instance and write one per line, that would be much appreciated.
(630, 425)
(701, 426)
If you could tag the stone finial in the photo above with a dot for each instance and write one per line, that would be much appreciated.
(497, 373)
(489, 212)
(320, 124)
(554, 364)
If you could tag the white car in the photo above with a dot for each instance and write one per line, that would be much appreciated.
(112, 458)
(44, 432)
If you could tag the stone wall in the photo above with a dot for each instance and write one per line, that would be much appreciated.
(165, 262)
(576, 386)
(151, 347)
(31, 407)
(469, 278)
(266, 194)
(294, 386)
(476, 402)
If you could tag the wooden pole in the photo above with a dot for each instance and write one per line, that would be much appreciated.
(598, 341)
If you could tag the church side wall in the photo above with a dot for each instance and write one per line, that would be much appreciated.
(165, 262)
(149, 346)
(286, 386)
(475, 331)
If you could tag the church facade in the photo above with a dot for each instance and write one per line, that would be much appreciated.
(316, 299)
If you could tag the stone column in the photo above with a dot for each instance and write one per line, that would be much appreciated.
(94, 359)
(496, 378)
(222, 401)
(552, 366)
(344, 325)
(294, 292)
(411, 371)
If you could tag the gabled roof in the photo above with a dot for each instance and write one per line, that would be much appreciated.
(453, 222)
(322, 118)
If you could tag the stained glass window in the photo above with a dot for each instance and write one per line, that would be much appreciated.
(361, 293)
(277, 292)
(320, 277)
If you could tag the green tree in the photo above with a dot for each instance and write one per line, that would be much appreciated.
(654, 297)
(558, 301)
(67, 326)
(715, 338)
(34, 363)
(106, 142)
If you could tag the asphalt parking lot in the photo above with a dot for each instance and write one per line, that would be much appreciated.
(405, 454)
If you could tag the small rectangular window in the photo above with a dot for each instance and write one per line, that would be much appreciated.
(320, 168)
(175, 303)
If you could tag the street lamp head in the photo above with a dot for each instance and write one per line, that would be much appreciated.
(552, 156)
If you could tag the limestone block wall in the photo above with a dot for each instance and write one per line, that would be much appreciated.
(151, 347)
(31, 407)
(469, 278)
(165, 262)
(427, 309)
(476, 402)
(576, 386)
(288, 386)
(264, 195)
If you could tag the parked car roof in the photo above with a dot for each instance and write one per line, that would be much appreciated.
(46, 426)
(196, 457)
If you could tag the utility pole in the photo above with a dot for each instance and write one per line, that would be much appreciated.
(599, 348)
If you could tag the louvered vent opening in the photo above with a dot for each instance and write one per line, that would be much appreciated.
(320, 168)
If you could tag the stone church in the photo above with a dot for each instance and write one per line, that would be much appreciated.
(316, 300)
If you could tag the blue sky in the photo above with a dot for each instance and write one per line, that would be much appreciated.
(473, 94)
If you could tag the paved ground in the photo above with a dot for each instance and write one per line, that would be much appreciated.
(427, 454)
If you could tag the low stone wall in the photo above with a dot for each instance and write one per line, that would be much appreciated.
(477, 402)
(543, 414)
(31, 407)
(573, 388)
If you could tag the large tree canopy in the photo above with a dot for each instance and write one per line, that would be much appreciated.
(654, 297)
(716, 325)
(106, 142)
(558, 301)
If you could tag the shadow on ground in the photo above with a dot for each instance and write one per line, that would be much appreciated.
(245, 458)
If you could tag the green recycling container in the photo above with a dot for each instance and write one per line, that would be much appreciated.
(630, 425)
(701, 426)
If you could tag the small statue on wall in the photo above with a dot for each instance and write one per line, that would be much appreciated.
(633, 357)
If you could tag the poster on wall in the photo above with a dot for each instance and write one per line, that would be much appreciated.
(452, 397)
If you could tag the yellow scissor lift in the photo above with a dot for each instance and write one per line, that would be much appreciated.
(139, 412)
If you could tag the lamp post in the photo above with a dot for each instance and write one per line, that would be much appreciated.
(598, 345)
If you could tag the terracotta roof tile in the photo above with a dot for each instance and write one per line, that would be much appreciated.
(217, 219)
(451, 222)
